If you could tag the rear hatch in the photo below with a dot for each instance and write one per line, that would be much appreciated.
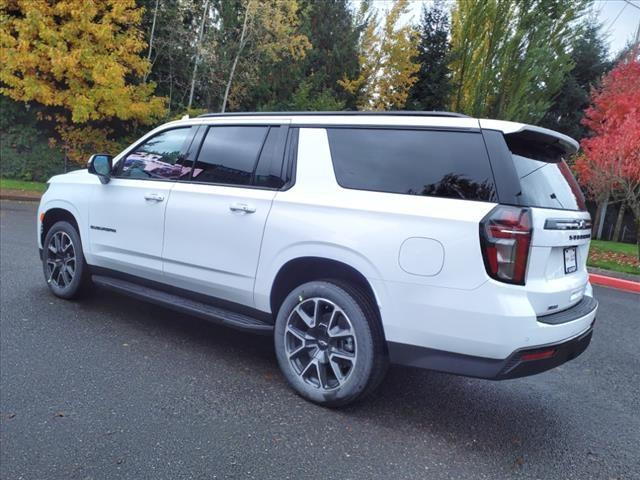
(556, 276)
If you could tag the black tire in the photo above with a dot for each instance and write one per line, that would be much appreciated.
(60, 280)
(357, 314)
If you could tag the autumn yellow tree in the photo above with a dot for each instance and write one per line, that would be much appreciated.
(387, 59)
(80, 59)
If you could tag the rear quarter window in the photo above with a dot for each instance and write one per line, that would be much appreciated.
(412, 162)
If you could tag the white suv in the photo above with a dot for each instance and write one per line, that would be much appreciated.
(428, 239)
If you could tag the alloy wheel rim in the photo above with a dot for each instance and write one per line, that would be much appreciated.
(320, 343)
(61, 260)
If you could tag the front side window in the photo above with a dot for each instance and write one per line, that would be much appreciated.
(229, 155)
(158, 158)
(413, 162)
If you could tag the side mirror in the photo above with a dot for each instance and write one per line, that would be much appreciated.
(100, 164)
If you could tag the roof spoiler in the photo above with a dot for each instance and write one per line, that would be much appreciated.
(542, 136)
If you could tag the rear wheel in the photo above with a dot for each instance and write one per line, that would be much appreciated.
(65, 269)
(329, 343)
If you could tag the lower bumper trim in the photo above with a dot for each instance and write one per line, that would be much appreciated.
(513, 366)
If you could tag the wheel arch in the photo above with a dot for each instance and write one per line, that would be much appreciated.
(56, 214)
(309, 268)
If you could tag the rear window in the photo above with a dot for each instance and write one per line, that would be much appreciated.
(545, 179)
(412, 162)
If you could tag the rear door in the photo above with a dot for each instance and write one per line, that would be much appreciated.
(215, 221)
(557, 275)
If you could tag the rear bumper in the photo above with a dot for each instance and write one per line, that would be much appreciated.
(513, 366)
(491, 321)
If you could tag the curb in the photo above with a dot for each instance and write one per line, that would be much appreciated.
(19, 198)
(612, 282)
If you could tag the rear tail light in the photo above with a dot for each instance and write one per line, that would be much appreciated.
(505, 237)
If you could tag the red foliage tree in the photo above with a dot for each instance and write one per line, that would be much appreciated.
(610, 163)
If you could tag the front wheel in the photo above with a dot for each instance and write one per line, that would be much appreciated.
(329, 343)
(65, 269)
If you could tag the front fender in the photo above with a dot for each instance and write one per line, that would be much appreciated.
(49, 204)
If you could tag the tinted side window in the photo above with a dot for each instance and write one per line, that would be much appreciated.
(269, 170)
(229, 155)
(413, 162)
(159, 157)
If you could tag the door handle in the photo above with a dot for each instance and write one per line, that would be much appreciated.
(242, 207)
(153, 197)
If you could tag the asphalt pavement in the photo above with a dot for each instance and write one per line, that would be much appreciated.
(109, 387)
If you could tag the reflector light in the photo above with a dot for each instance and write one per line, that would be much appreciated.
(541, 355)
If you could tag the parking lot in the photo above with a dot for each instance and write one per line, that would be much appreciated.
(110, 387)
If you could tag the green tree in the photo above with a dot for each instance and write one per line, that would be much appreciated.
(305, 99)
(433, 85)
(329, 25)
(81, 60)
(589, 55)
(25, 152)
(510, 57)
(172, 53)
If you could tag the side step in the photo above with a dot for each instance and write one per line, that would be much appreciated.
(185, 305)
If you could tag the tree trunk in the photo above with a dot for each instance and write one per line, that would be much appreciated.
(635, 208)
(619, 219)
(598, 222)
(170, 91)
(153, 30)
(235, 60)
(197, 57)
(603, 216)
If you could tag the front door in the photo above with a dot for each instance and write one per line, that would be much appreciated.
(126, 215)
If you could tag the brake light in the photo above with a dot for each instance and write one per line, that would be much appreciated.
(505, 237)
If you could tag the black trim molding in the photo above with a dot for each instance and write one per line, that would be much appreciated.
(188, 294)
(489, 368)
(568, 224)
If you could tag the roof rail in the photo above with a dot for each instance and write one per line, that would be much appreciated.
(408, 113)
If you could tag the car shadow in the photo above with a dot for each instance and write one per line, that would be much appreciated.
(177, 327)
(496, 418)
(474, 413)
